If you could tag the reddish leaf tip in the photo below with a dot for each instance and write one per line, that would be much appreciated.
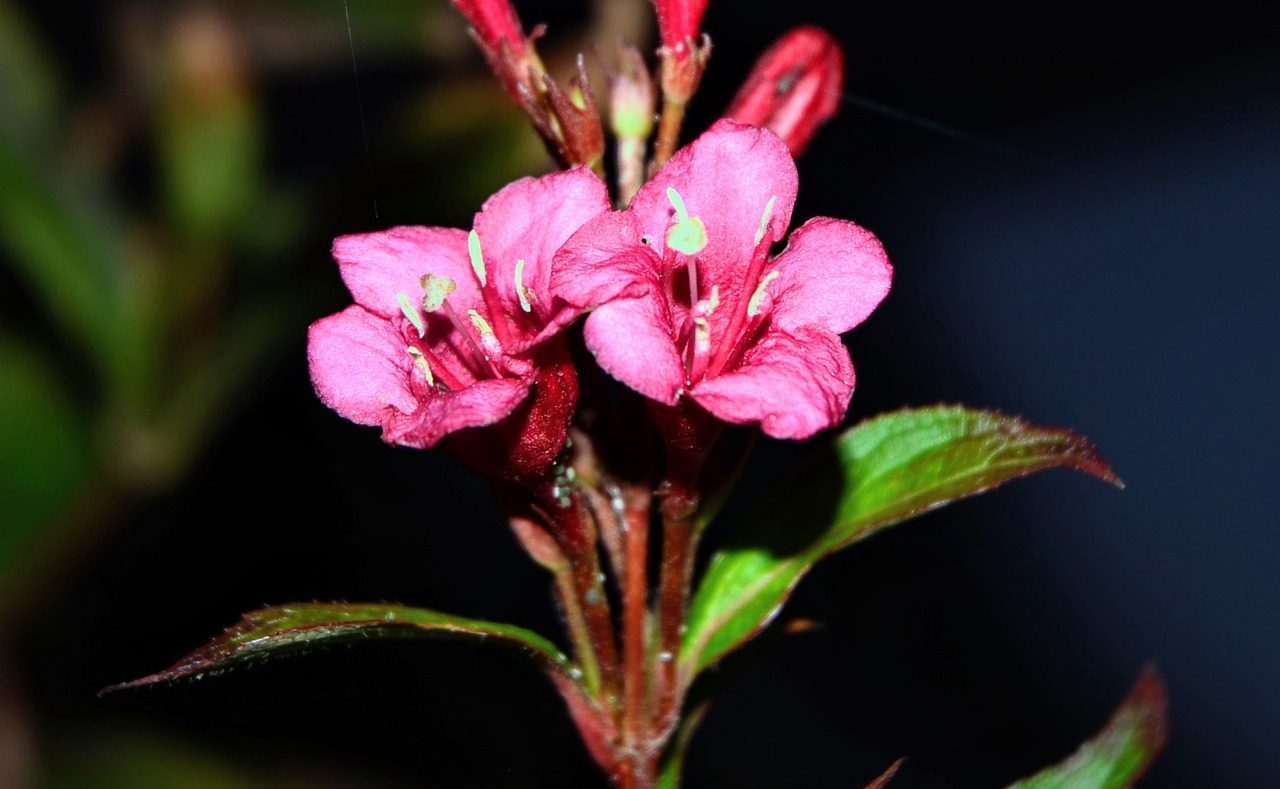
(887, 775)
(1149, 701)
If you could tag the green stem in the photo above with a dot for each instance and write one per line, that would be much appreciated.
(630, 158)
(579, 633)
(668, 133)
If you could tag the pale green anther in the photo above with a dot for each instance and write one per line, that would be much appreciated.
(714, 301)
(764, 220)
(421, 361)
(435, 290)
(753, 306)
(702, 333)
(520, 291)
(477, 260)
(688, 234)
(411, 312)
(480, 323)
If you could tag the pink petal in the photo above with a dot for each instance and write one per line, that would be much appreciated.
(793, 385)
(482, 403)
(360, 366)
(603, 261)
(631, 339)
(529, 220)
(832, 274)
(378, 266)
(726, 178)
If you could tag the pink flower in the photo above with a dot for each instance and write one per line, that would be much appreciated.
(452, 330)
(794, 87)
(688, 302)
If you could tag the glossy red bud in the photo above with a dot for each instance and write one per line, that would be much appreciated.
(794, 88)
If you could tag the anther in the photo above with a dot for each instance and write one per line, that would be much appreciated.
(411, 312)
(477, 260)
(521, 292)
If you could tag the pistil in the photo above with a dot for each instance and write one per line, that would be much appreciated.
(436, 292)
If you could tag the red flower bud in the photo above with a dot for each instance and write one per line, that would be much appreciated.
(494, 21)
(496, 29)
(679, 25)
(794, 88)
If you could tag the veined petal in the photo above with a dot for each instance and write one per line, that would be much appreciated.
(832, 274)
(726, 177)
(477, 405)
(793, 385)
(529, 220)
(631, 339)
(360, 367)
(377, 267)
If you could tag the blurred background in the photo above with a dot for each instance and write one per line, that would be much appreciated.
(1080, 204)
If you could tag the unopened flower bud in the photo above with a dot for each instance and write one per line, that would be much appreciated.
(496, 29)
(680, 25)
(794, 88)
(632, 96)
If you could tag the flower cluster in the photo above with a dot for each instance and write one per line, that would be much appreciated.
(467, 339)
(686, 284)
(453, 330)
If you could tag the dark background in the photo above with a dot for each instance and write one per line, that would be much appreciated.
(1080, 203)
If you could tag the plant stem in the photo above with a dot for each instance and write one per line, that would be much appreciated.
(635, 718)
(589, 583)
(579, 634)
(668, 133)
(679, 547)
(630, 158)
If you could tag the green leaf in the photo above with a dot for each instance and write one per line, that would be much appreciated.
(44, 454)
(290, 628)
(877, 474)
(1119, 754)
(28, 85)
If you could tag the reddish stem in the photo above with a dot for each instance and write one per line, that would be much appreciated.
(679, 547)
(635, 592)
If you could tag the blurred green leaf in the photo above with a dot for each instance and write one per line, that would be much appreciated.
(877, 474)
(44, 452)
(250, 339)
(290, 628)
(133, 760)
(209, 129)
(1119, 754)
(28, 87)
(62, 248)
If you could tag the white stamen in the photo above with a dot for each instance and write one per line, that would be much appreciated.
(521, 293)
(764, 220)
(421, 362)
(411, 312)
(702, 334)
(753, 306)
(480, 323)
(477, 260)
